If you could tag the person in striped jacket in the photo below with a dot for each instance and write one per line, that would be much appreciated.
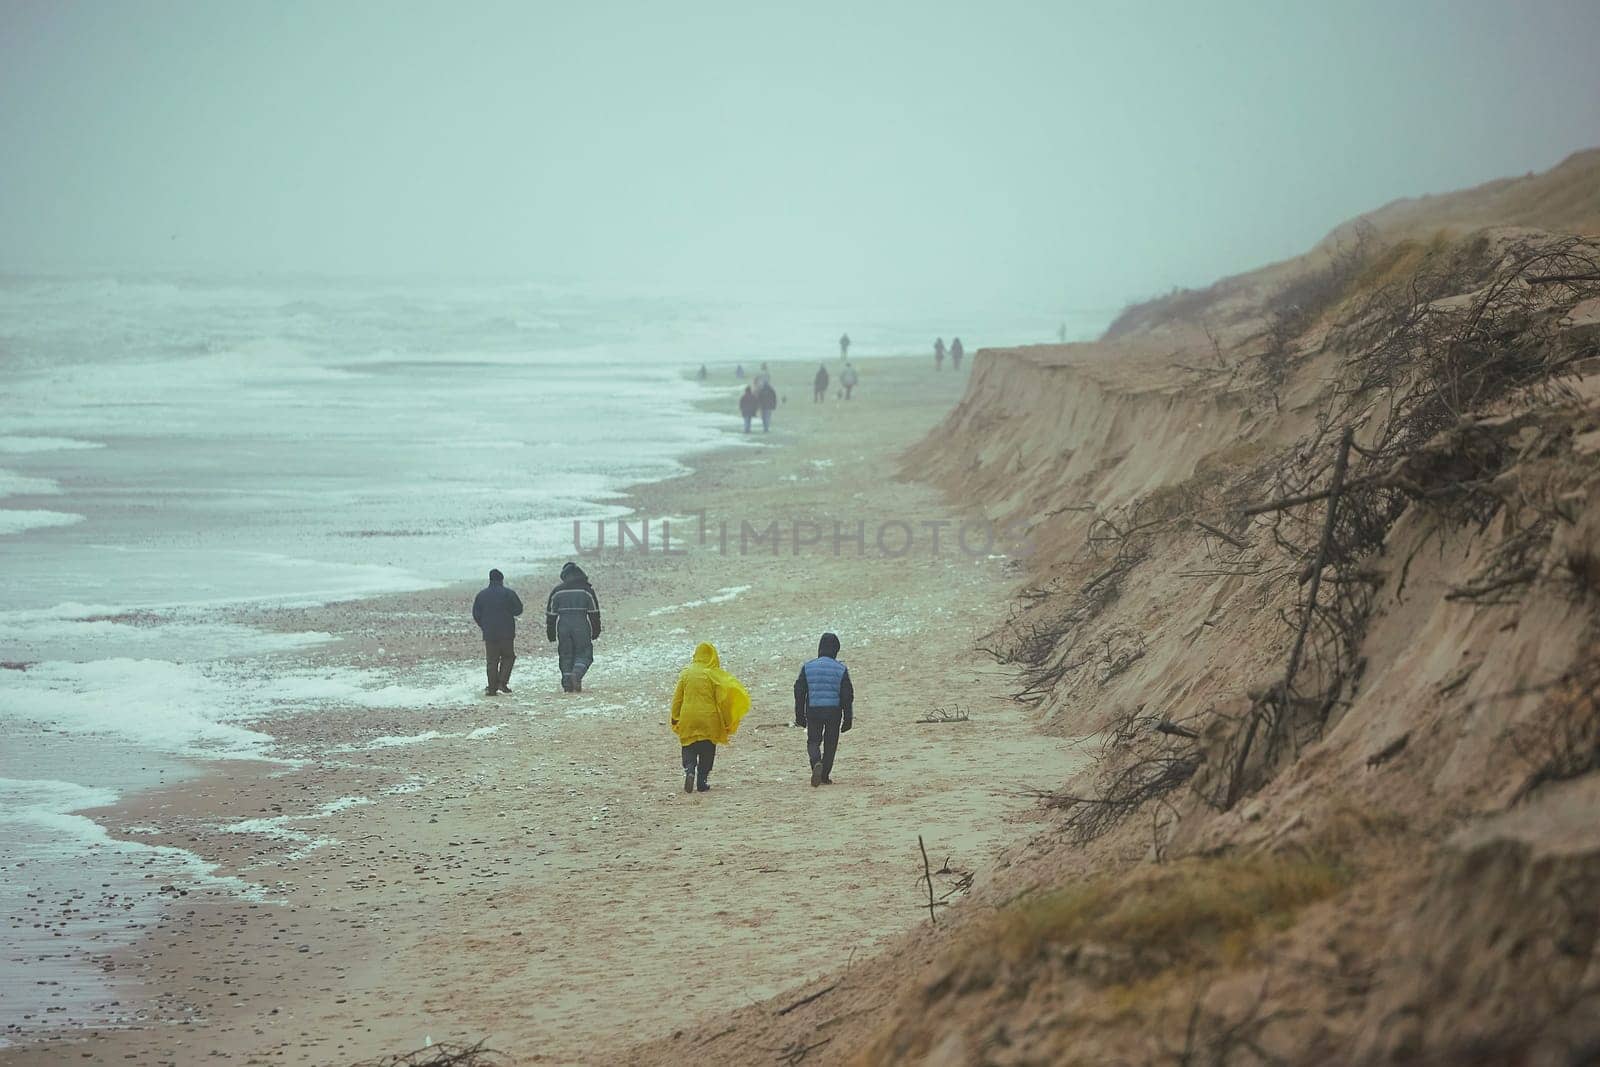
(572, 622)
(824, 703)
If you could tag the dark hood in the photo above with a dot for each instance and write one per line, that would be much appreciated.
(828, 646)
(573, 574)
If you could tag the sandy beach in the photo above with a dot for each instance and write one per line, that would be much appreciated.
(527, 869)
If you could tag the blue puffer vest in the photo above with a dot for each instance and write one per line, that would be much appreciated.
(822, 682)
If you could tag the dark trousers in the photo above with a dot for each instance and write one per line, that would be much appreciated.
(498, 657)
(698, 758)
(822, 737)
(574, 648)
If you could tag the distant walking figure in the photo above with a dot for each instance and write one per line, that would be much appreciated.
(956, 352)
(702, 373)
(819, 385)
(748, 406)
(572, 621)
(738, 372)
(767, 402)
(938, 354)
(495, 610)
(848, 379)
(844, 346)
(763, 377)
(706, 708)
(824, 703)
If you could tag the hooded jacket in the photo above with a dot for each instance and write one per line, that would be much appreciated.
(709, 702)
(495, 610)
(573, 596)
(824, 684)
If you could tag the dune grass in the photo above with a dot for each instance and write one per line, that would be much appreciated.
(1193, 912)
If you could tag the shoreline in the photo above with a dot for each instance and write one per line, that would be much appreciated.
(385, 770)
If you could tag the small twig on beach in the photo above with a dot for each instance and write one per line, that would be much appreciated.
(445, 1055)
(803, 1001)
(927, 876)
(797, 1051)
(942, 714)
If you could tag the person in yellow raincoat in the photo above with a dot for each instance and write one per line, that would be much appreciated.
(706, 709)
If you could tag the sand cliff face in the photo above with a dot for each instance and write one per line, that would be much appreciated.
(1403, 692)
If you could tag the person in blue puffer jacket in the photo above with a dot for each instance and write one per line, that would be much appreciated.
(824, 703)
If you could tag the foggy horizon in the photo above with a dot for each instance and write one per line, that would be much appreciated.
(1078, 158)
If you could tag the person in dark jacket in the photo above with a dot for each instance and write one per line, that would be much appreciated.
(824, 703)
(748, 406)
(767, 402)
(956, 352)
(819, 385)
(495, 610)
(938, 354)
(572, 621)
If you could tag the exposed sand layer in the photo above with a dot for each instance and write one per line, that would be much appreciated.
(527, 869)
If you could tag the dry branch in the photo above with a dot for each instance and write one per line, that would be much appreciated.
(927, 876)
(444, 1055)
(1221, 535)
(803, 1001)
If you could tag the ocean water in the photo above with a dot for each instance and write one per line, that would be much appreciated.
(169, 448)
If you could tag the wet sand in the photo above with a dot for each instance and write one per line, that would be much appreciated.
(534, 875)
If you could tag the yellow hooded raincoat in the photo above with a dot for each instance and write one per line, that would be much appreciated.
(709, 702)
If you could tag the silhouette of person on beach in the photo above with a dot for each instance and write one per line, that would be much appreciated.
(824, 703)
(956, 352)
(702, 373)
(738, 371)
(706, 708)
(572, 621)
(844, 346)
(767, 402)
(748, 406)
(819, 385)
(938, 354)
(763, 377)
(495, 610)
(848, 379)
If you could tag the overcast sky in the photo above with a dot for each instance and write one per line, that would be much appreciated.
(1069, 154)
